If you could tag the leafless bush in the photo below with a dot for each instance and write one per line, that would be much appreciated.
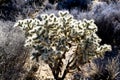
(98, 71)
(13, 55)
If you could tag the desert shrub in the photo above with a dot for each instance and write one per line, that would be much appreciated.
(113, 68)
(32, 7)
(2, 1)
(53, 1)
(110, 1)
(34, 3)
(62, 42)
(110, 71)
(8, 10)
(19, 9)
(107, 23)
(102, 70)
(71, 4)
(13, 54)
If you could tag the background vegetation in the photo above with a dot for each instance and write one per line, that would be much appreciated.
(15, 59)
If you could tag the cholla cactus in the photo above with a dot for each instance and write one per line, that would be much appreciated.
(54, 36)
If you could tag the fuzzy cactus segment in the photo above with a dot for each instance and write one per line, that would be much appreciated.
(54, 35)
